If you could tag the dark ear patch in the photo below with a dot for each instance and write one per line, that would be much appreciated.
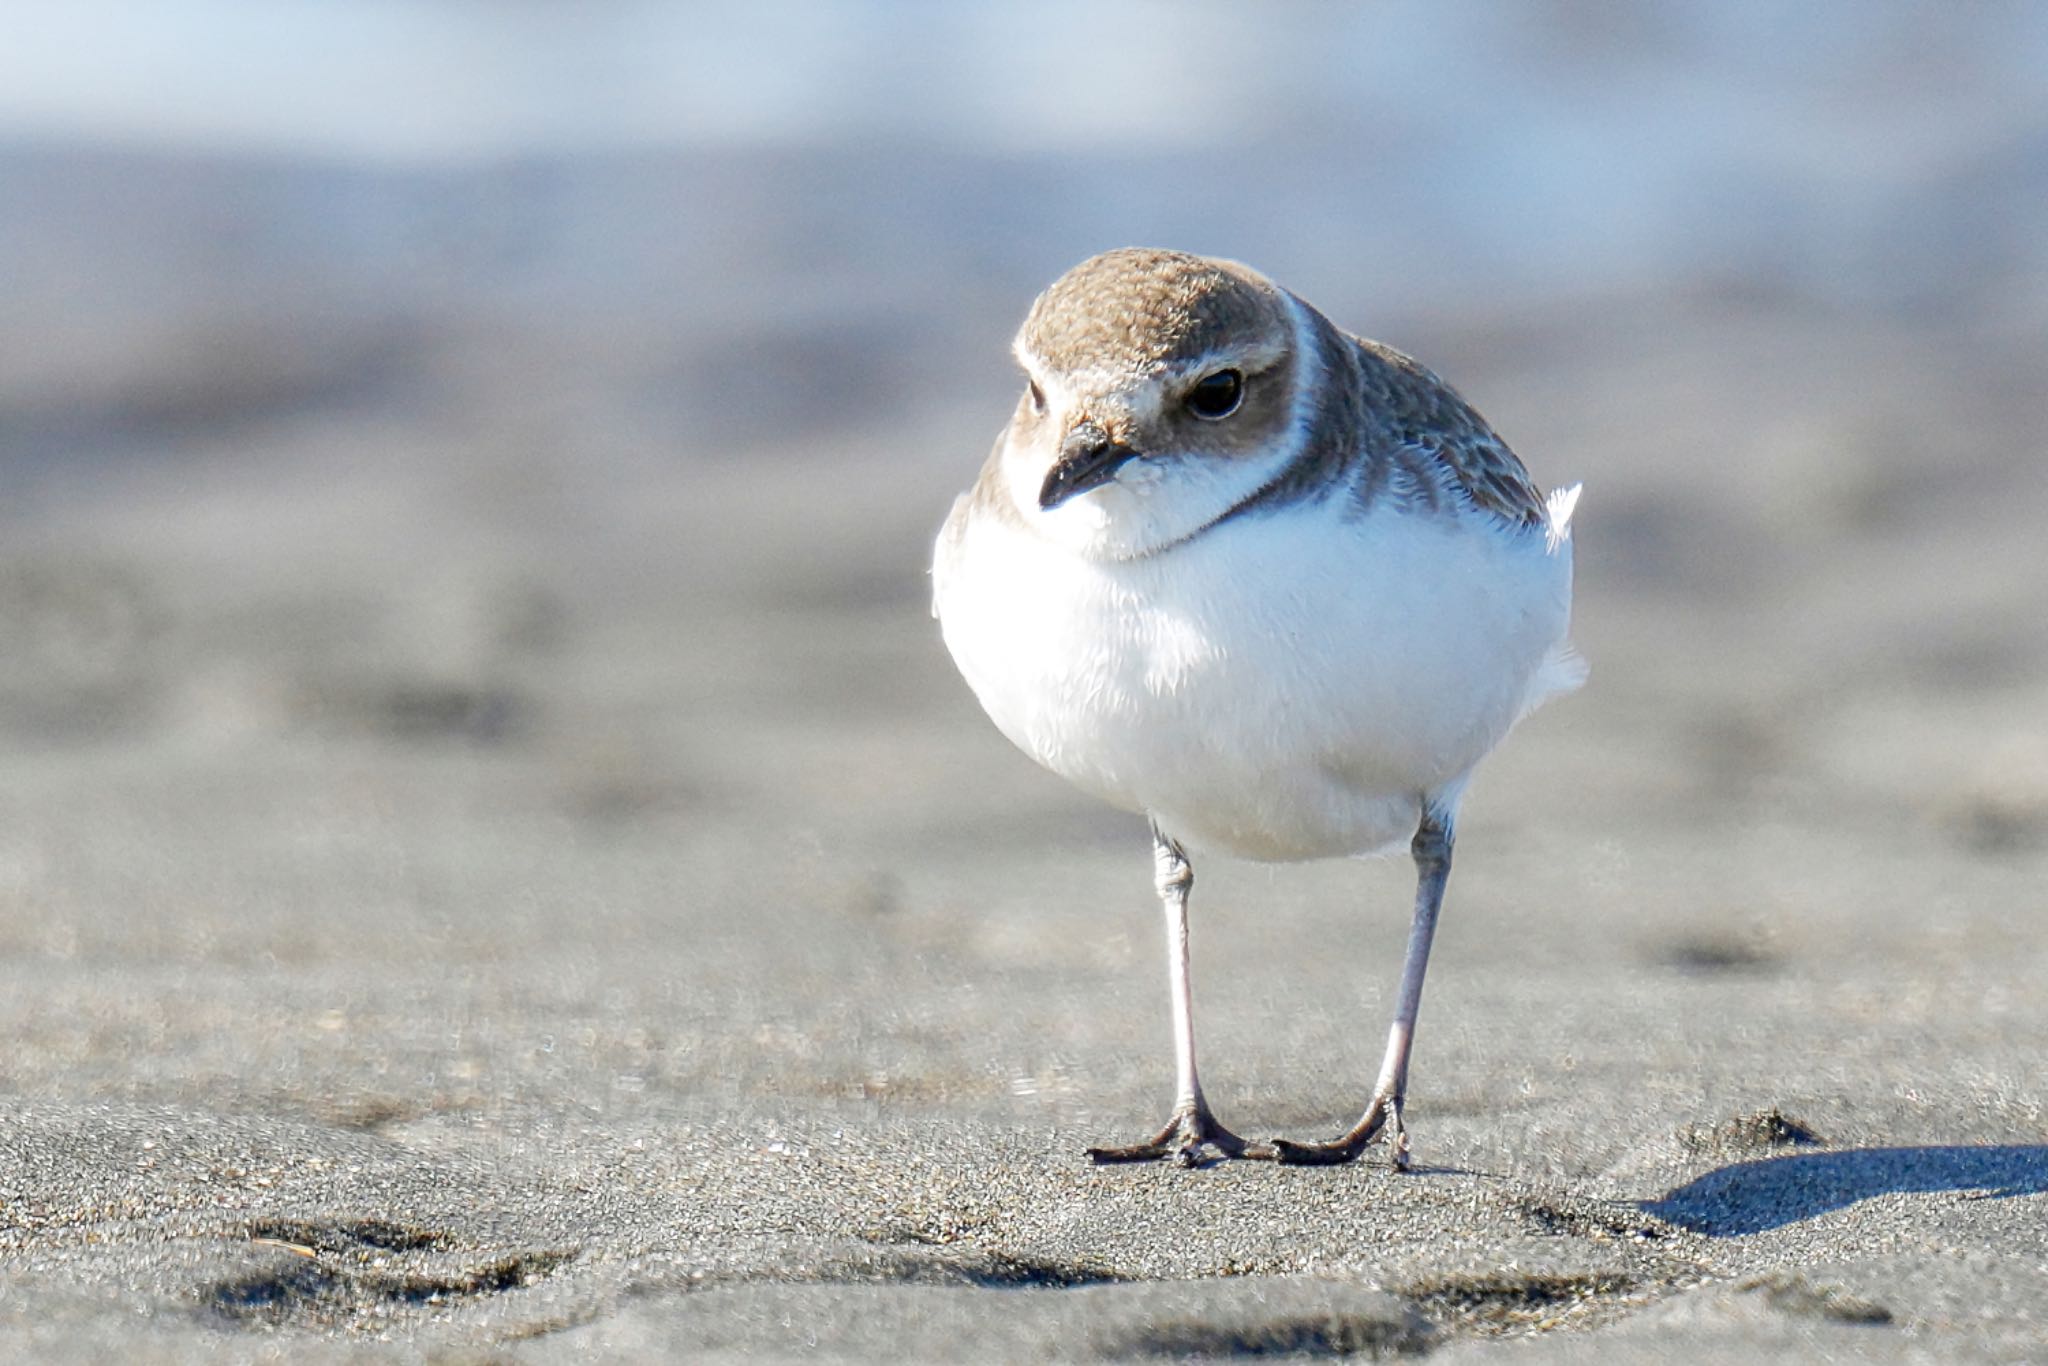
(1231, 410)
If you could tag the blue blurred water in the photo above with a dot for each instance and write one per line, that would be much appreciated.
(1541, 144)
(436, 79)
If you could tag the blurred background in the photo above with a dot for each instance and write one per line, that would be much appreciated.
(469, 470)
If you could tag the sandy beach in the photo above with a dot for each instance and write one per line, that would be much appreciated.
(495, 863)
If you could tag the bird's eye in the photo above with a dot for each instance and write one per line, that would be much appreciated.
(1216, 396)
(1037, 396)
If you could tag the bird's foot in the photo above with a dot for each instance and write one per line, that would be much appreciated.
(1191, 1129)
(1382, 1121)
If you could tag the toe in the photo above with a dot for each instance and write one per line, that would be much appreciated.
(1312, 1154)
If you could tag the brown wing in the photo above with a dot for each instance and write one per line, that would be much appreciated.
(1428, 422)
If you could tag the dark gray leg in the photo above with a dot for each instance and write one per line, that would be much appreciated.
(1432, 851)
(1192, 1126)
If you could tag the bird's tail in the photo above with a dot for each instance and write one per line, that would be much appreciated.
(1557, 514)
(1563, 668)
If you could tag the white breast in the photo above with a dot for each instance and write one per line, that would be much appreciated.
(1286, 685)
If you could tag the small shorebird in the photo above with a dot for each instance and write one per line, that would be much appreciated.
(1277, 587)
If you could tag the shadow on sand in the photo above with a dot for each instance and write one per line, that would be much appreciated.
(1750, 1197)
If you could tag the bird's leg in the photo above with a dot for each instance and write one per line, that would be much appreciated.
(1432, 851)
(1191, 1126)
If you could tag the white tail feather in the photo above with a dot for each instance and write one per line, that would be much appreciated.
(1557, 511)
(1563, 669)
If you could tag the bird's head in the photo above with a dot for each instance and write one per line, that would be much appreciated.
(1161, 390)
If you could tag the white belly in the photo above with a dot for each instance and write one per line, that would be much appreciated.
(1284, 686)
